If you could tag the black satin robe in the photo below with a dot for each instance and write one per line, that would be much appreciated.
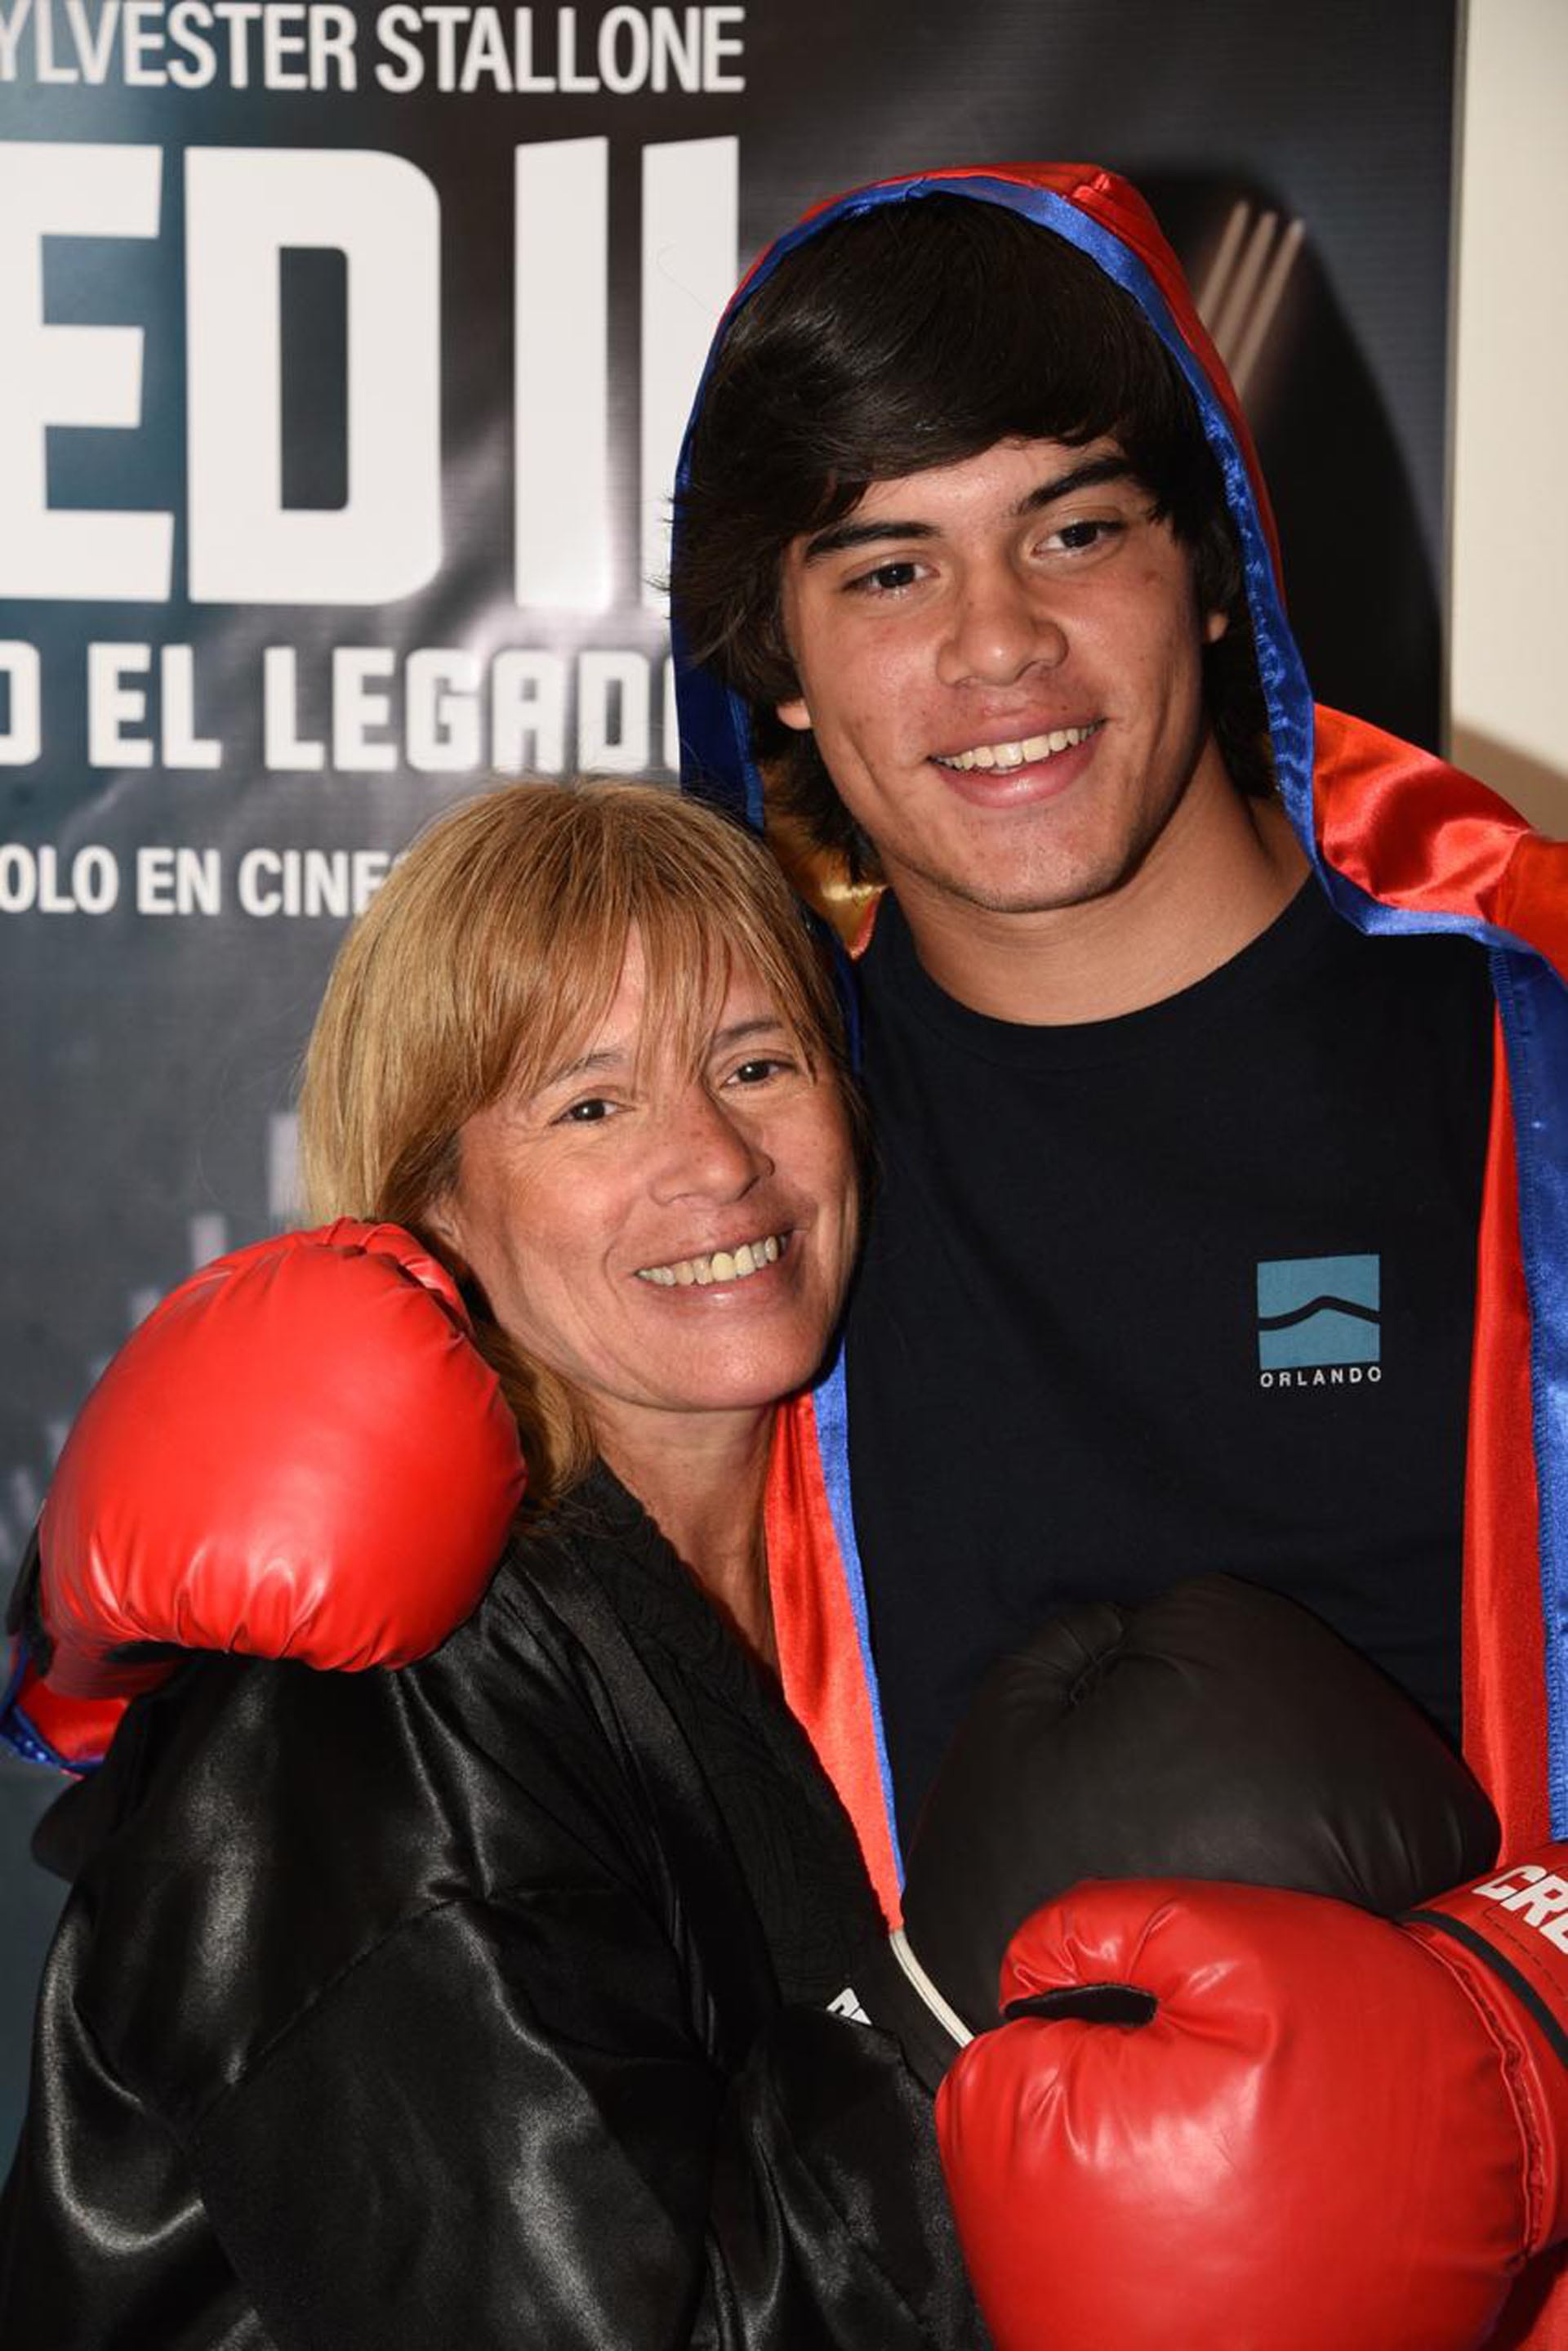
(476, 2005)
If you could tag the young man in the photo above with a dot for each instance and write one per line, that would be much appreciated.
(1173, 1257)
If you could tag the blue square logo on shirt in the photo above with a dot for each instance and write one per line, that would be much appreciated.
(1318, 1310)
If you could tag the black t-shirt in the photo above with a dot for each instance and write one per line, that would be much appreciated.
(1187, 1290)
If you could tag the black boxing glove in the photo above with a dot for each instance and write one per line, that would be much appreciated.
(1221, 1732)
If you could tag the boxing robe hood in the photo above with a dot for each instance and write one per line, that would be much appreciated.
(1400, 842)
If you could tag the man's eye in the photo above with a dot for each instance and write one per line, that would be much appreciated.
(1075, 538)
(886, 579)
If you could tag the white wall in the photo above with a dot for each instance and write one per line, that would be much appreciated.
(1509, 664)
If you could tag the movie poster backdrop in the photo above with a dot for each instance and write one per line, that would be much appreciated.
(344, 356)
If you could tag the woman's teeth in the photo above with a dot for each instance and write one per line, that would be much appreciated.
(1017, 755)
(723, 1265)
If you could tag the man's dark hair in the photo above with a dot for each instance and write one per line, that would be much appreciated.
(916, 335)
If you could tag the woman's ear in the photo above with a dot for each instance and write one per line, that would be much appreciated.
(442, 1222)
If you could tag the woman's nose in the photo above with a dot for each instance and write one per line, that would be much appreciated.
(1000, 627)
(708, 1151)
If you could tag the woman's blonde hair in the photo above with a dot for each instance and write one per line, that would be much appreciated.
(487, 959)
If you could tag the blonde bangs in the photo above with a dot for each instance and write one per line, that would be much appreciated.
(705, 905)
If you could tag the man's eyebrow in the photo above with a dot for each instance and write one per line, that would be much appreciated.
(839, 537)
(1087, 476)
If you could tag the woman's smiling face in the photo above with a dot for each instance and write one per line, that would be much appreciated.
(668, 1238)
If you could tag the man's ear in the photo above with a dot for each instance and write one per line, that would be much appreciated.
(794, 715)
(1215, 625)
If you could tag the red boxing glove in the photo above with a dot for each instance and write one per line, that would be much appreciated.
(300, 1454)
(1224, 2115)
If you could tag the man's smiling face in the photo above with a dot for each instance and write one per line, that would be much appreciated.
(1002, 662)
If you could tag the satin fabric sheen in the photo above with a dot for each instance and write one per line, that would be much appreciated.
(820, 1645)
(479, 2004)
(1418, 835)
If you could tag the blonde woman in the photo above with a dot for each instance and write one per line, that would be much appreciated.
(484, 2004)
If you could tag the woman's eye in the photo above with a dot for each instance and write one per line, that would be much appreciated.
(586, 1113)
(759, 1070)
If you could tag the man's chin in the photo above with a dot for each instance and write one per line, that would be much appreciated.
(1029, 891)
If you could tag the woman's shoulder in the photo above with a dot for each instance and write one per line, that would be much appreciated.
(257, 1828)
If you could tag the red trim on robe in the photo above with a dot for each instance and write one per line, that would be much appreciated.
(1413, 831)
(1503, 1636)
(819, 1644)
(78, 1728)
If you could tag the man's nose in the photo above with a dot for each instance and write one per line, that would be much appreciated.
(707, 1150)
(1001, 625)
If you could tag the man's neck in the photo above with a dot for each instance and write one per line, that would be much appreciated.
(1220, 874)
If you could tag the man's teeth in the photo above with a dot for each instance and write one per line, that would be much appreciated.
(723, 1265)
(1016, 755)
